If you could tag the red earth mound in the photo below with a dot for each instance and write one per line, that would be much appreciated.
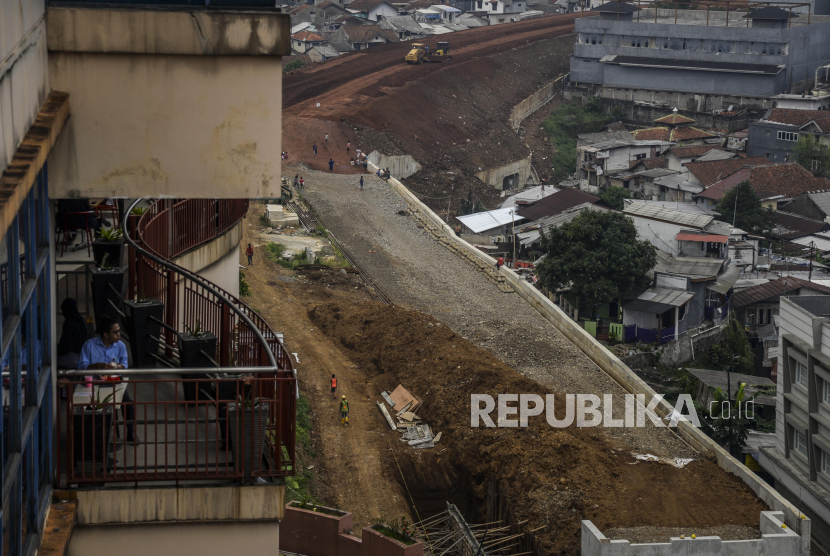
(553, 477)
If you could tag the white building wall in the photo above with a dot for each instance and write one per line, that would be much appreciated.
(381, 11)
(24, 78)
(660, 234)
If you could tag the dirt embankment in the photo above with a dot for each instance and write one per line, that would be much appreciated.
(554, 477)
(452, 117)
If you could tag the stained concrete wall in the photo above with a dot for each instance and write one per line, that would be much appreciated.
(178, 103)
(619, 372)
(495, 176)
(218, 260)
(532, 103)
(681, 351)
(24, 81)
(400, 166)
(775, 541)
(176, 539)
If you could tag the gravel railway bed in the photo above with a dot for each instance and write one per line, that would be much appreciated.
(417, 272)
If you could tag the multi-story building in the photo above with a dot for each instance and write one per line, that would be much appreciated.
(800, 460)
(704, 59)
(177, 103)
(776, 134)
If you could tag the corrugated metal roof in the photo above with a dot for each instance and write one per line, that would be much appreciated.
(667, 215)
(687, 236)
(726, 280)
(718, 379)
(697, 267)
(692, 208)
(822, 201)
(822, 244)
(774, 288)
(715, 154)
(659, 300)
(482, 221)
(530, 195)
(557, 203)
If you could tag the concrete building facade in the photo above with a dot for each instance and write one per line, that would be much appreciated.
(696, 59)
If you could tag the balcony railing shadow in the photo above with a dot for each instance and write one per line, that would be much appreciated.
(211, 395)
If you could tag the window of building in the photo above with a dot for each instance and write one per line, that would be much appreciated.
(721, 46)
(787, 136)
(825, 463)
(772, 49)
(766, 155)
(672, 44)
(816, 165)
(801, 373)
(636, 42)
(800, 443)
(691, 44)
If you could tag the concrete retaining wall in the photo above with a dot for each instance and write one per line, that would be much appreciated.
(400, 166)
(317, 534)
(681, 351)
(617, 370)
(775, 541)
(532, 103)
(495, 176)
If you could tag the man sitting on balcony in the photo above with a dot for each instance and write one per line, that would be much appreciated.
(108, 352)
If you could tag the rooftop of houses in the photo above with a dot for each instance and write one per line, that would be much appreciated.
(659, 300)
(798, 118)
(719, 379)
(787, 180)
(365, 5)
(693, 151)
(715, 154)
(529, 195)
(557, 203)
(664, 214)
(593, 138)
(797, 226)
(649, 163)
(616, 7)
(715, 170)
(771, 13)
(307, 36)
(696, 268)
(678, 181)
(401, 23)
(483, 221)
(530, 233)
(691, 208)
(674, 119)
(366, 33)
(774, 288)
(716, 16)
(717, 190)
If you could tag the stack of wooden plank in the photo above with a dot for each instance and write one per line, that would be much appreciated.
(416, 433)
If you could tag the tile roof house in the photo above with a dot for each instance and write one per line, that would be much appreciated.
(814, 204)
(707, 173)
(303, 41)
(787, 181)
(759, 305)
(361, 37)
(674, 119)
(674, 128)
(777, 133)
(558, 202)
(374, 10)
(649, 164)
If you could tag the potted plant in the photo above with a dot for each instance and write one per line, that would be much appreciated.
(108, 273)
(247, 423)
(109, 242)
(142, 329)
(91, 435)
(196, 349)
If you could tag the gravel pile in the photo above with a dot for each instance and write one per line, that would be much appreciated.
(417, 272)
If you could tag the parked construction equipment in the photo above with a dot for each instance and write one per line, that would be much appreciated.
(420, 53)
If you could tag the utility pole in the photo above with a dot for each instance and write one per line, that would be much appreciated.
(513, 216)
(735, 211)
(810, 275)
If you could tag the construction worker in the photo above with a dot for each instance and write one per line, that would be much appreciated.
(344, 411)
(333, 386)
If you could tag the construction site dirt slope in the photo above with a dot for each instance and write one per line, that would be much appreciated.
(453, 118)
(553, 477)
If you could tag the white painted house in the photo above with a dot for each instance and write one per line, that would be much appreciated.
(500, 11)
(448, 13)
(373, 10)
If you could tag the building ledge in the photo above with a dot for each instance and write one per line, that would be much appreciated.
(60, 521)
(816, 497)
(130, 505)
(184, 30)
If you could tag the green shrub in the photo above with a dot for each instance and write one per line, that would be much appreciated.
(564, 124)
(244, 286)
(291, 66)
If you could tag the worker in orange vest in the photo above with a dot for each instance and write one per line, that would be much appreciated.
(344, 411)
(333, 386)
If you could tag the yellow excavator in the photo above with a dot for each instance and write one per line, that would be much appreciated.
(421, 53)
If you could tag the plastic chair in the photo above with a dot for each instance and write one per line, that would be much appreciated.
(67, 229)
(113, 210)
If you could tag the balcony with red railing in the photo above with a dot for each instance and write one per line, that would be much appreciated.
(211, 391)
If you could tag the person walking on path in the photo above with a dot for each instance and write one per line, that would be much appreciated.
(296, 181)
(344, 411)
(331, 165)
(499, 263)
(361, 183)
(315, 150)
(327, 137)
(333, 387)
(348, 146)
(302, 184)
(249, 252)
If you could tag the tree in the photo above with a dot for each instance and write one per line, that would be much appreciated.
(613, 196)
(813, 154)
(747, 214)
(733, 343)
(597, 254)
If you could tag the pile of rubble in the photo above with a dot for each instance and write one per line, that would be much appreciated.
(415, 432)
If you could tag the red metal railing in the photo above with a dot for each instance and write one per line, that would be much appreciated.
(224, 433)
(167, 229)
